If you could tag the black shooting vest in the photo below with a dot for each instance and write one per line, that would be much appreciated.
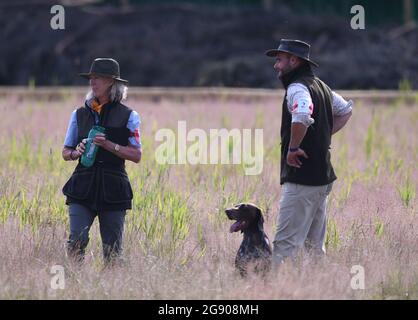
(317, 169)
(104, 186)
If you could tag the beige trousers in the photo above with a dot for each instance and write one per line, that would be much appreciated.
(302, 221)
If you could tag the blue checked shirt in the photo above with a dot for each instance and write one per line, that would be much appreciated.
(133, 125)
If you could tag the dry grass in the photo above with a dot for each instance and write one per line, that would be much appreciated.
(177, 244)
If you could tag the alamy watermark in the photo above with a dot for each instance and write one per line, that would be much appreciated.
(358, 21)
(357, 280)
(58, 278)
(57, 21)
(235, 146)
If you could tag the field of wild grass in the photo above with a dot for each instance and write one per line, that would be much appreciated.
(177, 244)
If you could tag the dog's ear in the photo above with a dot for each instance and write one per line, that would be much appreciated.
(259, 213)
(260, 219)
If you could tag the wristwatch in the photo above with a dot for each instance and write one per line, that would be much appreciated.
(117, 147)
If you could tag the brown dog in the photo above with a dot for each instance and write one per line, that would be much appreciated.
(255, 247)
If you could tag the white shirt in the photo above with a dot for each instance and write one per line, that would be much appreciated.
(299, 103)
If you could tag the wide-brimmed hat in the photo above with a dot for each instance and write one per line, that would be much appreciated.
(296, 47)
(104, 67)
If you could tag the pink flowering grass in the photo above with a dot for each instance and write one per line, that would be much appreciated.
(177, 244)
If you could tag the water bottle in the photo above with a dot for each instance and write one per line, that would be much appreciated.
(89, 155)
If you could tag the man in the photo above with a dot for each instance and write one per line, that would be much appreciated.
(311, 114)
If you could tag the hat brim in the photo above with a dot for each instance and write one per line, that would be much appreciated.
(88, 75)
(274, 52)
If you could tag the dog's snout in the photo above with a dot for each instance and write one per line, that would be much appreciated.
(230, 213)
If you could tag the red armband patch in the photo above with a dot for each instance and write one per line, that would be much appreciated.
(303, 106)
(136, 135)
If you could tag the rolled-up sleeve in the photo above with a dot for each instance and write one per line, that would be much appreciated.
(72, 131)
(299, 103)
(134, 125)
(340, 106)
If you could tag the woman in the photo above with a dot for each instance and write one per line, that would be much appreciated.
(104, 188)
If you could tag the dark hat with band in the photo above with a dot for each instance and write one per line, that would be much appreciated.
(104, 67)
(295, 47)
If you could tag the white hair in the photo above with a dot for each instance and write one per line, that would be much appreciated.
(118, 92)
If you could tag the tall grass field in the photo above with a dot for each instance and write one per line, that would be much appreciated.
(177, 243)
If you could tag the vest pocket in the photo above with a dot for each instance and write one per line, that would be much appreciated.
(79, 185)
(116, 187)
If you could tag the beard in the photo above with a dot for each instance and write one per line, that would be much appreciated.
(284, 71)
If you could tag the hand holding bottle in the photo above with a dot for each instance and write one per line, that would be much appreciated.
(100, 139)
(79, 150)
(92, 143)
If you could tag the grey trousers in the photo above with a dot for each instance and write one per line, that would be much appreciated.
(302, 220)
(111, 230)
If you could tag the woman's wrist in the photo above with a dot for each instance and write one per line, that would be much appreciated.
(71, 155)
